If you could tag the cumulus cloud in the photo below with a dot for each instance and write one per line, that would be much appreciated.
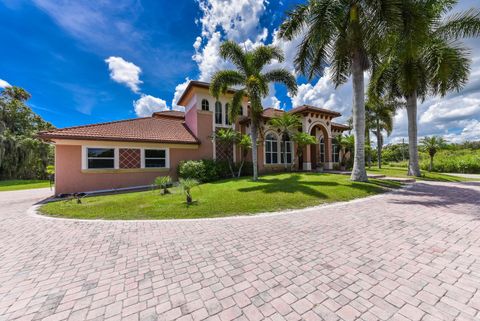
(147, 105)
(124, 72)
(4, 84)
(471, 131)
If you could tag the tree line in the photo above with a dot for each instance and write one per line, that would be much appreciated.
(22, 154)
(412, 48)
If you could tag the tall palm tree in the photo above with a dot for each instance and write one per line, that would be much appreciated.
(303, 140)
(287, 124)
(342, 34)
(432, 145)
(379, 118)
(252, 81)
(424, 57)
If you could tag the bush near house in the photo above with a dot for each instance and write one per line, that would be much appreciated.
(208, 170)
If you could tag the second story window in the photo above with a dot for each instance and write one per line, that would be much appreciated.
(227, 112)
(218, 112)
(205, 105)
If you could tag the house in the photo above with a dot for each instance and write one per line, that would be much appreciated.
(131, 153)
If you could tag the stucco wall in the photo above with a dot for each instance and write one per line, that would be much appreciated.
(70, 178)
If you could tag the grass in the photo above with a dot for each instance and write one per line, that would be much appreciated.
(426, 176)
(223, 198)
(19, 184)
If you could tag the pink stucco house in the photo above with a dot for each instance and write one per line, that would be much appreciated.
(132, 152)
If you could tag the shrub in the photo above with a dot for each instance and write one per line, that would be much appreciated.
(163, 182)
(192, 169)
(187, 184)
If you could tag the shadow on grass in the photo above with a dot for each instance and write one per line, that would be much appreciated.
(291, 184)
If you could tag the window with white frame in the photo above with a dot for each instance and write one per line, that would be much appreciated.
(218, 112)
(286, 150)
(100, 158)
(205, 105)
(155, 158)
(271, 149)
(335, 153)
(322, 150)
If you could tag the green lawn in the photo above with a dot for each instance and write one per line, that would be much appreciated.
(427, 176)
(223, 198)
(18, 184)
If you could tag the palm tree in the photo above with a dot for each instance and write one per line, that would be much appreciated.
(227, 137)
(245, 144)
(431, 145)
(252, 81)
(302, 140)
(287, 124)
(424, 57)
(347, 145)
(342, 34)
(186, 184)
(379, 118)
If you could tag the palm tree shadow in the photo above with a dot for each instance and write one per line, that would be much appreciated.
(444, 196)
(290, 184)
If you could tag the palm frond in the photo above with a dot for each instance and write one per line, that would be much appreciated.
(230, 50)
(460, 25)
(236, 104)
(282, 76)
(294, 23)
(224, 79)
(263, 55)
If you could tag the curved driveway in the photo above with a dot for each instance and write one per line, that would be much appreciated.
(410, 255)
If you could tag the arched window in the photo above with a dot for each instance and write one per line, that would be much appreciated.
(218, 112)
(271, 149)
(322, 150)
(335, 153)
(227, 111)
(288, 147)
(205, 105)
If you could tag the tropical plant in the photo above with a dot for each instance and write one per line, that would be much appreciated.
(227, 137)
(186, 185)
(163, 182)
(423, 56)
(432, 145)
(343, 34)
(347, 145)
(288, 125)
(245, 145)
(302, 140)
(379, 118)
(252, 83)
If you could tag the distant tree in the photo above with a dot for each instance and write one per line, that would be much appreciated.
(253, 82)
(288, 125)
(432, 145)
(302, 140)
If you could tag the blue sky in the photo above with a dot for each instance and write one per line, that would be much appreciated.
(93, 61)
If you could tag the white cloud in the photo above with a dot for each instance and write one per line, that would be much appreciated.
(4, 84)
(147, 105)
(124, 72)
(239, 19)
(207, 58)
(178, 92)
(470, 132)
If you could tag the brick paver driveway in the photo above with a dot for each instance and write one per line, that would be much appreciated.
(412, 255)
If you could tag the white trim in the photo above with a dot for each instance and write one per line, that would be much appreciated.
(167, 157)
(85, 157)
(279, 149)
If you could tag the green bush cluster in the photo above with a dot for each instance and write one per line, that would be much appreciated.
(453, 161)
(208, 170)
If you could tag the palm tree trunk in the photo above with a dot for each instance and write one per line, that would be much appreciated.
(379, 145)
(284, 141)
(413, 167)
(254, 150)
(359, 173)
(431, 163)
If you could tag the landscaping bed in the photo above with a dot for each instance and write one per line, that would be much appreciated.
(223, 198)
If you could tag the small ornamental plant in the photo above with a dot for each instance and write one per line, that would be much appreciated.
(187, 184)
(163, 182)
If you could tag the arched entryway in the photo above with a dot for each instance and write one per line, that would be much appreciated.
(319, 155)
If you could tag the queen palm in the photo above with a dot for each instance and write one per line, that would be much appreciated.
(424, 57)
(432, 145)
(287, 124)
(342, 34)
(252, 82)
(379, 119)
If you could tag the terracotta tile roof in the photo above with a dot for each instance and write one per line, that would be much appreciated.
(169, 113)
(198, 84)
(340, 126)
(148, 129)
(271, 112)
(314, 109)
